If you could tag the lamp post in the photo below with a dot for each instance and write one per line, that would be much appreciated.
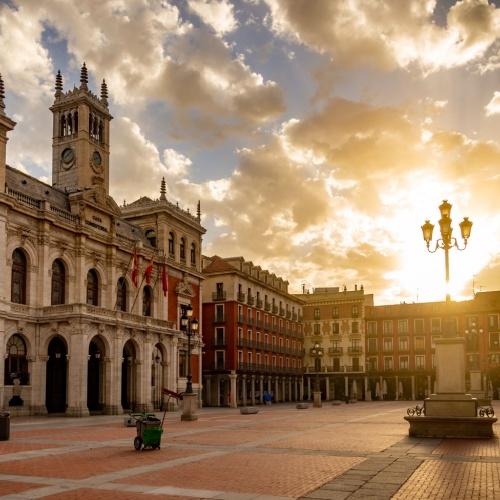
(317, 354)
(447, 241)
(190, 326)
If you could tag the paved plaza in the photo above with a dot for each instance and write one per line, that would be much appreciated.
(347, 451)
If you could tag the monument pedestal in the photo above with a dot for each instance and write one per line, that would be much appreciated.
(450, 412)
(189, 407)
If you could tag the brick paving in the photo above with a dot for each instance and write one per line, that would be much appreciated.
(356, 451)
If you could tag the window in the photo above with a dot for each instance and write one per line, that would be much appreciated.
(274, 340)
(317, 329)
(92, 288)
(387, 327)
(335, 312)
(355, 327)
(372, 345)
(336, 364)
(356, 345)
(219, 290)
(18, 277)
(388, 366)
(419, 343)
(316, 313)
(240, 335)
(219, 313)
(219, 360)
(219, 336)
(266, 359)
(193, 254)
(16, 363)
(58, 282)
(121, 295)
(371, 327)
(182, 249)
(420, 362)
(402, 326)
(249, 358)
(336, 328)
(182, 363)
(493, 322)
(355, 365)
(387, 345)
(274, 361)
(151, 237)
(147, 296)
(419, 326)
(240, 359)
(435, 325)
(403, 362)
(171, 244)
(403, 344)
(355, 311)
(372, 364)
(257, 358)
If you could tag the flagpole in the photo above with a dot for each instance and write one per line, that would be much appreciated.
(126, 271)
(140, 284)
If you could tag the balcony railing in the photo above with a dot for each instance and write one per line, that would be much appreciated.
(266, 325)
(288, 314)
(259, 304)
(275, 309)
(354, 350)
(219, 318)
(240, 318)
(259, 323)
(251, 300)
(267, 306)
(250, 320)
(217, 296)
(294, 316)
(282, 311)
(241, 297)
(335, 350)
(220, 343)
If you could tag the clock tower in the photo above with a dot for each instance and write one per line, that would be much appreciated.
(80, 137)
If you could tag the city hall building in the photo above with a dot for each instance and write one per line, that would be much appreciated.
(91, 293)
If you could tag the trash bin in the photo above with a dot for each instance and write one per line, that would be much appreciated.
(4, 425)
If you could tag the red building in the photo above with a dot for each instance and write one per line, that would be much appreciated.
(252, 334)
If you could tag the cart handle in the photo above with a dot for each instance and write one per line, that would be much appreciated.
(172, 394)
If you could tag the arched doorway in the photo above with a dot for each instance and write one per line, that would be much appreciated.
(55, 395)
(157, 380)
(128, 376)
(95, 375)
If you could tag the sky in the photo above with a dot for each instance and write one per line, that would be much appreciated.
(319, 135)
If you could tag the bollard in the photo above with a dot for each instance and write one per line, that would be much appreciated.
(4, 425)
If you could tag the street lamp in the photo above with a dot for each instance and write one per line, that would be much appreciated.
(190, 327)
(317, 353)
(446, 241)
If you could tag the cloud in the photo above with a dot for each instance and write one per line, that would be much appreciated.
(493, 107)
(389, 34)
(216, 13)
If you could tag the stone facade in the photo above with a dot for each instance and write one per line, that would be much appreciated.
(91, 293)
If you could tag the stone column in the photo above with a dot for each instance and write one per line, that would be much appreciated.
(301, 388)
(77, 374)
(309, 394)
(429, 389)
(38, 383)
(116, 372)
(346, 386)
(283, 389)
(261, 389)
(368, 394)
(327, 388)
(276, 390)
(111, 406)
(233, 403)
(290, 397)
(252, 389)
(244, 389)
(413, 387)
(208, 390)
(145, 373)
(397, 388)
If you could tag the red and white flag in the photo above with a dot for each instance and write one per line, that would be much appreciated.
(149, 271)
(135, 269)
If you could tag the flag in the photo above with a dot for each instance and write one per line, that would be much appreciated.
(164, 280)
(135, 268)
(149, 271)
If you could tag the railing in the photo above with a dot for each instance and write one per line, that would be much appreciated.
(241, 297)
(258, 323)
(282, 312)
(219, 319)
(25, 199)
(218, 296)
(288, 314)
(74, 219)
(219, 343)
(355, 350)
(294, 316)
(275, 309)
(240, 318)
(267, 306)
(249, 320)
(266, 325)
(250, 300)
(335, 350)
(259, 304)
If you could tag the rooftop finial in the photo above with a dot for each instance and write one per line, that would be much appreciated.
(163, 190)
(59, 83)
(104, 92)
(2, 96)
(198, 211)
(84, 77)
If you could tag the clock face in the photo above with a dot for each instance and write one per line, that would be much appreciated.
(96, 159)
(68, 155)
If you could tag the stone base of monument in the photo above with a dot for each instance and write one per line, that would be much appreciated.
(449, 416)
(248, 410)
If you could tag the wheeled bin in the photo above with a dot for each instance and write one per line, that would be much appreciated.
(149, 431)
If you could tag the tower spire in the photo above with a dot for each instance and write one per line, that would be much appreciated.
(163, 190)
(84, 77)
(2, 96)
(198, 211)
(104, 92)
(59, 84)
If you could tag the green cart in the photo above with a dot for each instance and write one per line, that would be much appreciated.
(149, 431)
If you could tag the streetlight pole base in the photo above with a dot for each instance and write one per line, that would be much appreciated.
(189, 407)
(317, 399)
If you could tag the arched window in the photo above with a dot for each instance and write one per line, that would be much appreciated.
(147, 296)
(75, 122)
(58, 282)
(193, 254)
(182, 249)
(121, 295)
(171, 244)
(18, 279)
(92, 288)
(151, 237)
(16, 363)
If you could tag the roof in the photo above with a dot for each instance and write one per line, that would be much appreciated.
(218, 265)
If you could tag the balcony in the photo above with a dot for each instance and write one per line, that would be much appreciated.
(294, 316)
(251, 300)
(259, 304)
(220, 318)
(282, 312)
(288, 314)
(220, 343)
(420, 350)
(266, 325)
(274, 327)
(267, 306)
(240, 318)
(241, 297)
(494, 346)
(275, 309)
(218, 296)
(353, 351)
(249, 320)
(350, 368)
(335, 350)
(258, 323)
